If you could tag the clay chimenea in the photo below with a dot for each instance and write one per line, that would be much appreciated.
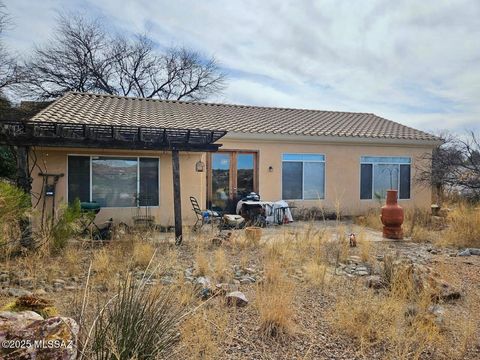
(392, 217)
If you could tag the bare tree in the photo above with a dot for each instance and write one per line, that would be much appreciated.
(82, 56)
(453, 165)
(9, 73)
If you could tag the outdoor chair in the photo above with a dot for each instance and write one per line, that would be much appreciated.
(204, 216)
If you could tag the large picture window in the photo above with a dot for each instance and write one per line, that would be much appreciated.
(303, 176)
(379, 174)
(113, 181)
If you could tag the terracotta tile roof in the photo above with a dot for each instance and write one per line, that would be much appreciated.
(83, 108)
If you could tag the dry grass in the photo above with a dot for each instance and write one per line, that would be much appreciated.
(365, 247)
(142, 253)
(221, 271)
(371, 220)
(275, 306)
(464, 227)
(203, 333)
(400, 321)
(103, 265)
(316, 273)
(202, 267)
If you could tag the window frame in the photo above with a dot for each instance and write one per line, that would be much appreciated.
(324, 161)
(373, 163)
(137, 158)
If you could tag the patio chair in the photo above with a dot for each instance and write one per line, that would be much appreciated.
(203, 216)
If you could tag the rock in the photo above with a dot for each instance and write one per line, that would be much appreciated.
(375, 282)
(26, 282)
(39, 292)
(4, 278)
(70, 288)
(446, 292)
(16, 292)
(245, 280)
(204, 281)
(166, 280)
(59, 281)
(205, 293)
(27, 326)
(236, 298)
(474, 251)
(354, 259)
(362, 272)
(465, 252)
(188, 272)
(439, 313)
(380, 257)
(250, 270)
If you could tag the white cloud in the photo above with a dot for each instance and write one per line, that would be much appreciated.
(411, 61)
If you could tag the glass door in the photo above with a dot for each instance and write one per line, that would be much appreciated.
(221, 180)
(232, 176)
(245, 174)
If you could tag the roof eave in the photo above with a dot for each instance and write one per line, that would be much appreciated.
(330, 139)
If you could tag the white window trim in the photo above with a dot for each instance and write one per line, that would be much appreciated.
(373, 172)
(324, 161)
(138, 177)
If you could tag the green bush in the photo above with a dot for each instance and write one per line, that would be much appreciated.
(14, 205)
(67, 224)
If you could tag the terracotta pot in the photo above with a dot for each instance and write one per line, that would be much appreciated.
(253, 233)
(392, 217)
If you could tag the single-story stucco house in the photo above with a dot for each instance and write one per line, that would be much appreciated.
(309, 158)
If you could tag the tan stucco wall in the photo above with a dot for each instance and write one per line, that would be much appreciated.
(342, 184)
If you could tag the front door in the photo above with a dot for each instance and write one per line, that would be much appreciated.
(231, 176)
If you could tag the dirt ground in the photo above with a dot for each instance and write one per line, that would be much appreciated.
(234, 332)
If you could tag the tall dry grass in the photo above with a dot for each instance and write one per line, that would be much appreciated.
(464, 227)
(400, 321)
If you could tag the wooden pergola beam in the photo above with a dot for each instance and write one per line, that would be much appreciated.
(177, 197)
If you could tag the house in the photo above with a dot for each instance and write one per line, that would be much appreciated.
(310, 158)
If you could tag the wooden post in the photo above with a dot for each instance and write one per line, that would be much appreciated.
(177, 198)
(24, 182)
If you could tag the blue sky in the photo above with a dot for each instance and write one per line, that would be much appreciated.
(415, 62)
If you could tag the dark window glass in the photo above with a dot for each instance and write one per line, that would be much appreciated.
(114, 181)
(404, 182)
(78, 178)
(292, 180)
(148, 182)
(366, 181)
(314, 173)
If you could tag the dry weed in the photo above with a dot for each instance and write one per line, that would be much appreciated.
(464, 227)
(275, 306)
(203, 332)
(220, 265)
(142, 253)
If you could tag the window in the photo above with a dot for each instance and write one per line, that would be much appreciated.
(303, 176)
(113, 181)
(379, 174)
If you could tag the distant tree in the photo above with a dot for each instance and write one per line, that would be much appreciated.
(9, 69)
(83, 56)
(453, 165)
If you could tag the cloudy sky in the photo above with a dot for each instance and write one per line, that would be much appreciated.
(416, 62)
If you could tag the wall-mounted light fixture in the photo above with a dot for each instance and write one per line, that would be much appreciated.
(199, 166)
(270, 168)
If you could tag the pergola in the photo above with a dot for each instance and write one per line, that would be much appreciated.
(25, 134)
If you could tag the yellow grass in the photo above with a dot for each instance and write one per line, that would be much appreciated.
(276, 309)
(400, 321)
(464, 227)
(220, 265)
(142, 253)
